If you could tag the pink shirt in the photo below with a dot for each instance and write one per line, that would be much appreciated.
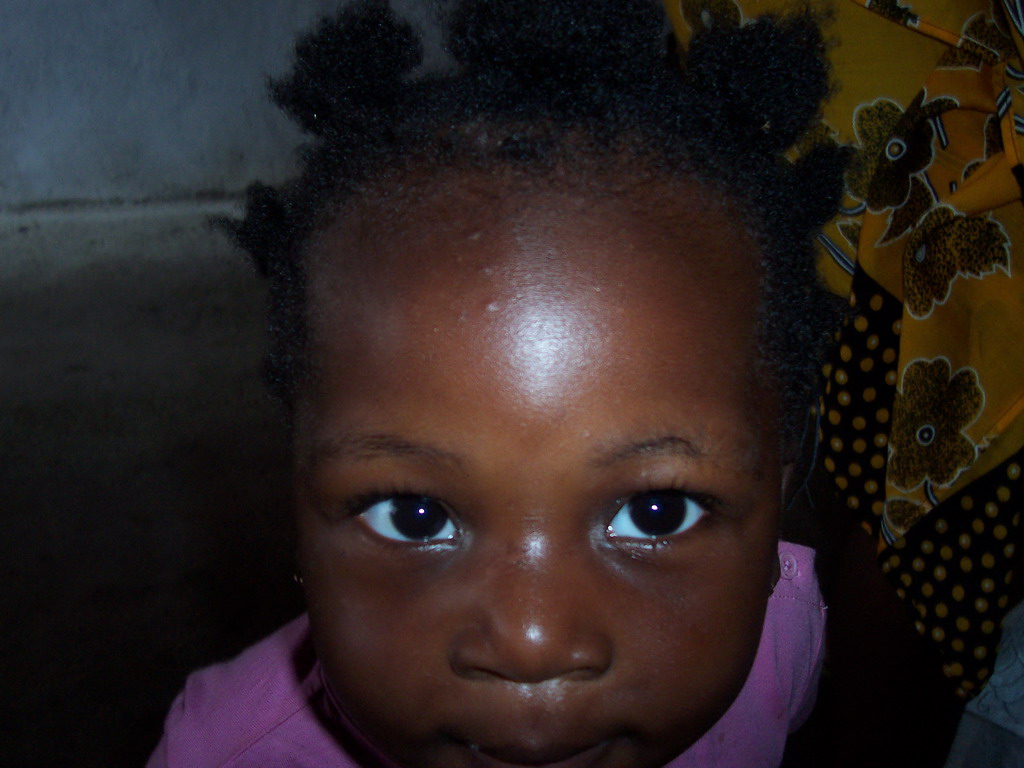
(269, 708)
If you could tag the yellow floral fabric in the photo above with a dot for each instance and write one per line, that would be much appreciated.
(922, 409)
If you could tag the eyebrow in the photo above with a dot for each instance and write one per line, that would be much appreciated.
(669, 445)
(365, 447)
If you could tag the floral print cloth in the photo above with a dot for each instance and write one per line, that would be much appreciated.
(921, 422)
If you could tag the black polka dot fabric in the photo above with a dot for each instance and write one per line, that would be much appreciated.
(856, 407)
(955, 569)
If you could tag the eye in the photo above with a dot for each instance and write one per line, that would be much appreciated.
(656, 515)
(410, 518)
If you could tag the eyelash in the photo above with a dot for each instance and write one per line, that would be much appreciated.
(358, 507)
(671, 508)
(382, 522)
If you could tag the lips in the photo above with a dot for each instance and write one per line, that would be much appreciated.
(547, 756)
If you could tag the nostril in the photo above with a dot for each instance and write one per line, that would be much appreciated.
(587, 667)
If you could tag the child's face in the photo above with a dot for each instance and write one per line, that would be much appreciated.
(538, 475)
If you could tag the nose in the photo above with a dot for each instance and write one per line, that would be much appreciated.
(533, 622)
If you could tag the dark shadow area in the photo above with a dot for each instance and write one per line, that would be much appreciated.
(143, 481)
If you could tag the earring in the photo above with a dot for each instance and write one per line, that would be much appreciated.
(297, 578)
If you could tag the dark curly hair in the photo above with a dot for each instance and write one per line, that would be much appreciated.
(534, 85)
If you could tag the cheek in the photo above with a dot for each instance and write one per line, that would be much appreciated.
(382, 638)
(699, 639)
(371, 624)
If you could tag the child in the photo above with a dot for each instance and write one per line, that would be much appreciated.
(545, 326)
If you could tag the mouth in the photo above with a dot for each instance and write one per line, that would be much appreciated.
(549, 756)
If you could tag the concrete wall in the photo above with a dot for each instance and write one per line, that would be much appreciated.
(138, 99)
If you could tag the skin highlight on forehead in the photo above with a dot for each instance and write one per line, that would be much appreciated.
(374, 273)
(374, 253)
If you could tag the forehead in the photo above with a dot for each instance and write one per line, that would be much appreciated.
(558, 300)
(440, 243)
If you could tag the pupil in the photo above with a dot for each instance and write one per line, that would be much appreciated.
(657, 514)
(418, 517)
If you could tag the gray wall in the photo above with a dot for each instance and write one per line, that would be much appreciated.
(140, 99)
